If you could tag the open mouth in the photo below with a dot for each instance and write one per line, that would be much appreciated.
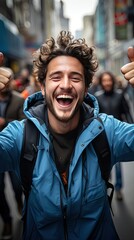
(64, 100)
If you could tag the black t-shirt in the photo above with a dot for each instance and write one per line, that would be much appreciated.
(63, 145)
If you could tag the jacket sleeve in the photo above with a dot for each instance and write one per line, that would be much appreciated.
(10, 146)
(121, 139)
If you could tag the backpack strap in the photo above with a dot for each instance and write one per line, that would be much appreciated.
(102, 149)
(28, 155)
(101, 146)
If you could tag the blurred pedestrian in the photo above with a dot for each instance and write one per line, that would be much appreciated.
(22, 81)
(112, 101)
(68, 196)
(33, 87)
(11, 108)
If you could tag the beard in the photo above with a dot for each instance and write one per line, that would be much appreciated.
(65, 117)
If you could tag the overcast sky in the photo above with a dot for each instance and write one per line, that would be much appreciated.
(76, 9)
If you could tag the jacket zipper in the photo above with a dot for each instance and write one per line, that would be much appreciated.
(65, 224)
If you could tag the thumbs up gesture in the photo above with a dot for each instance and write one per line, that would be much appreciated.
(128, 69)
(5, 75)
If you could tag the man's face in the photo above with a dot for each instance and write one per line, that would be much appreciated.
(107, 83)
(64, 88)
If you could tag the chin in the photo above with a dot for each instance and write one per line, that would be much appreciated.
(64, 119)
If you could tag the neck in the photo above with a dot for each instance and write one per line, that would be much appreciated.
(63, 127)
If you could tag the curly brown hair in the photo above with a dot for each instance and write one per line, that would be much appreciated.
(66, 46)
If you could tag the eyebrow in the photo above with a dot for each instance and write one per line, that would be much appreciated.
(71, 73)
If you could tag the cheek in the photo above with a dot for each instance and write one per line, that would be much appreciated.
(51, 88)
(82, 91)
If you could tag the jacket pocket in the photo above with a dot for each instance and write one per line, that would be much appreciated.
(93, 200)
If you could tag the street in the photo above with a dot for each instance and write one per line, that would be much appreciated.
(123, 211)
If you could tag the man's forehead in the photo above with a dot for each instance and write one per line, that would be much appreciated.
(65, 62)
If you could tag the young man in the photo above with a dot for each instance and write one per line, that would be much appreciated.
(68, 197)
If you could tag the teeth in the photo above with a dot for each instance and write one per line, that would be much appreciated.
(64, 96)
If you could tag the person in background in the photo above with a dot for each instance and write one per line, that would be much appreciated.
(31, 88)
(68, 197)
(22, 81)
(112, 101)
(11, 108)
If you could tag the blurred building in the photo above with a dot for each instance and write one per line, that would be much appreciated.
(25, 24)
(88, 30)
(113, 32)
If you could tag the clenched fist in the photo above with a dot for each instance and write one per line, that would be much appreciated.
(128, 69)
(5, 75)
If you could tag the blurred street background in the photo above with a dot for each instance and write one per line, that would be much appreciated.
(106, 24)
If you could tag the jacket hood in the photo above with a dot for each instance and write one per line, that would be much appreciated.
(35, 106)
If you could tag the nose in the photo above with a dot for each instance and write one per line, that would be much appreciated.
(65, 83)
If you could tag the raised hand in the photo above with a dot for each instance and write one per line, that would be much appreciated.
(128, 69)
(5, 75)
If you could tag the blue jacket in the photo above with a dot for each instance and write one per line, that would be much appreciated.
(84, 212)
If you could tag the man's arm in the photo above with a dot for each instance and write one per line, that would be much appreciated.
(128, 69)
(5, 75)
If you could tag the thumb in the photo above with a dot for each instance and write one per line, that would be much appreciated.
(130, 54)
(1, 58)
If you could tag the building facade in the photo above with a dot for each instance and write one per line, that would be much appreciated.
(25, 24)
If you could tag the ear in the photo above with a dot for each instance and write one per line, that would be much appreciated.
(42, 89)
(86, 91)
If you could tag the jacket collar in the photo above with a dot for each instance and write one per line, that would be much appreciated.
(35, 106)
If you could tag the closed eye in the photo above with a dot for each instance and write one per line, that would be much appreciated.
(55, 78)
(76, 77)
